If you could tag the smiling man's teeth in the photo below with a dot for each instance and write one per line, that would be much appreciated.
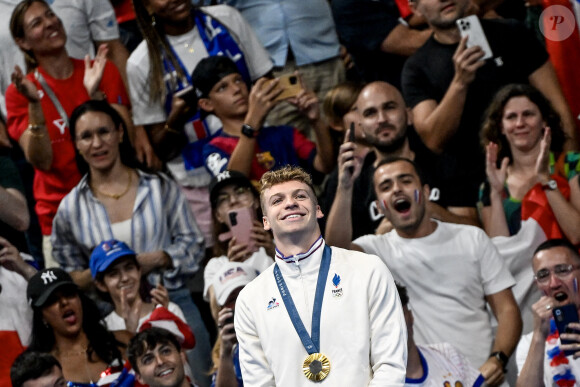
(292, 216)
(166, 372)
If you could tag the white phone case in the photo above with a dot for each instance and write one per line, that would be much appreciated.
(471, 27)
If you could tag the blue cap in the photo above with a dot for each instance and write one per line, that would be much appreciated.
(106, 253)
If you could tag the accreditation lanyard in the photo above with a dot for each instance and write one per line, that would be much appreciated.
(311, 343)
(48, 90)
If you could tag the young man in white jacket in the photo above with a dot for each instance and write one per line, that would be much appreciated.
(319, 314)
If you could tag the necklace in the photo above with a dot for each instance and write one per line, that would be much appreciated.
(189, 46)
(120, 195)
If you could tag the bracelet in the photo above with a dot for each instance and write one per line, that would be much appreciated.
(32, 129)
(170, 130)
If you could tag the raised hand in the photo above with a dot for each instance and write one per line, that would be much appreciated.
(160, 296)
(263, 238)
(24, 85)
(226, 331)
(466, 62)
(130, 312)
(543, 161)
(261, 100)
(238, 252)
(349, 166)
(496, 176)
(94, 71)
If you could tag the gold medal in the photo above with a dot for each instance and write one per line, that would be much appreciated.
(316, 367)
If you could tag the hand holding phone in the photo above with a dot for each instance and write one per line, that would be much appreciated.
(564, 315)
(471, 27)
(290, 84)
(188, 95)
(240, 221)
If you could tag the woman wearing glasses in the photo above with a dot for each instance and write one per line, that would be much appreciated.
(39, 103)
(116, 200)
(232, 192)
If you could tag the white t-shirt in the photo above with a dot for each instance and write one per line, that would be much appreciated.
(555, 366)
(259, 261)
(85, 21)
(147, 112)
(443, 365)
(117, 323)
(447, 274)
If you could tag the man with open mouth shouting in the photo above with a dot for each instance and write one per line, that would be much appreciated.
(450, 270)
(319, 314)
(547, 356)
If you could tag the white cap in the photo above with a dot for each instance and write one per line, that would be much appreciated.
(229, 277)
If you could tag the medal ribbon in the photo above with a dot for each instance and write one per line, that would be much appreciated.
(311, 344)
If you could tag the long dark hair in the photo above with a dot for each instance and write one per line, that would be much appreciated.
(158, 46)
(126, 151)
(492, 125)
(101, 341)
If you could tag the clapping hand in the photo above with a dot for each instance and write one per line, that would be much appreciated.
(24, 85)
(496, 176)
(94, 71)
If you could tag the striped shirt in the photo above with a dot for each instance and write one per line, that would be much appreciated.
(161, 220)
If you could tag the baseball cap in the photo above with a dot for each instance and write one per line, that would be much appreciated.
(44, 283)
(106, 253)
(226, 178)
(210, 71)
(229, 277)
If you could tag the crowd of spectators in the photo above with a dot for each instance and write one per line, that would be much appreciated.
(134, 134)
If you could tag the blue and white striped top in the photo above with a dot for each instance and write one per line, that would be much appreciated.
(161, 220)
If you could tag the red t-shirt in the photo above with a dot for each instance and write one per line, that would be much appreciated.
(52, 185)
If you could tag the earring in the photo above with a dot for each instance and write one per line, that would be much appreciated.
(45, 323)
(153, 20)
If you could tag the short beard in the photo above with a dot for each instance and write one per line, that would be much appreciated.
(393, 146)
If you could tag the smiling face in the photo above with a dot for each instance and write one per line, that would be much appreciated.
(227, 98)
(383, 116)
(161, 366)
(63, 312)
(43, 30)
(562, 287)
(522, 124)
(97, 140)
(169, 11)
(441, 14)
(123, 276)
(401, 197)
(290, 208)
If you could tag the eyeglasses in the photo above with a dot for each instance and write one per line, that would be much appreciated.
(239, 193)
(561, 271)
(104, 133)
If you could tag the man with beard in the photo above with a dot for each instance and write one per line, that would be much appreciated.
(451, 271)
(386, 126)
(540, 355)
(449, 86)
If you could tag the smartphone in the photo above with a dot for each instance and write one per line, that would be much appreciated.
(471, 27)
(564, 315)
(291, 86)
(188, 95)
(241, 221)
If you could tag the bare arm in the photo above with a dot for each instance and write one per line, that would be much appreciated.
(117, 54)
(11, 259)
(532, 373)
(545, 80)
(14, 210)
(261, 101)
(4, 139)
(226, 375)
(508, 333)
(339, 223)
(445, 215)
(437, 123)
(493, 217)
(404, 41)
(307, 104)
(82, 278)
